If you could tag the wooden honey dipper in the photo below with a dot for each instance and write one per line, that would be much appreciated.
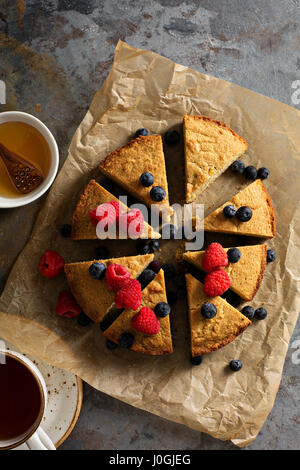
(24, 176)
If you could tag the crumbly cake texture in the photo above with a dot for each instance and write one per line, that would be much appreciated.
(158, 344)
(92, 196)
(126, 164)
(93, 295)
(210, 335)
(263, 221)
(246, 275)
(210, 148)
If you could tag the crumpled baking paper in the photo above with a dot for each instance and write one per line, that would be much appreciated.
(144, 89)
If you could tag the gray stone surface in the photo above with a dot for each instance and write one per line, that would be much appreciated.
(60, 58)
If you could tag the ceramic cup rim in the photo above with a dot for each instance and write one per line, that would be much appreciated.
(37, 374)
(20, 116)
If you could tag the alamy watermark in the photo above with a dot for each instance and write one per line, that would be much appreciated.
(2, 353)
(2, 92)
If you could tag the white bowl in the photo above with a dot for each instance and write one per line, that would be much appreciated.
(18, 116)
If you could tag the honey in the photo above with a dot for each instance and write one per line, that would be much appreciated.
(28, 143)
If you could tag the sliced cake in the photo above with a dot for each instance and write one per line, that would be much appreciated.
(262, 223)
(156, 344)
(126, 165)
(246, 274)
(93, 295)
(208, 335)
(92, 196)
(210, 148)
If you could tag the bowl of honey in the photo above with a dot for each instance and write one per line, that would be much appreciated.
(28, 159)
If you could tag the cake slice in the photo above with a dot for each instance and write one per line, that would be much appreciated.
(92, 196)
(210, 147)
(262, 223)
(207, 335)
(126, 164)
(155, 345)
(246, 275)
(93, 295)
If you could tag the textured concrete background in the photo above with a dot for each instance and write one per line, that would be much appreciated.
(56, 53)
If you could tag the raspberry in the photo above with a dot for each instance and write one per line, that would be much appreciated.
(216, 283)
(116, 276)
(51, 264)
(129, 296)
(146, 322)
(106, 214)
(215, 257)
(132, 223)
(66, 305)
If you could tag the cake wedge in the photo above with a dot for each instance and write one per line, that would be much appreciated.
(157, 344)
(94, 195)
(208, 335)
(126, 165)
(246, 275)
(93, 295)
(262, 223)
(210, 148)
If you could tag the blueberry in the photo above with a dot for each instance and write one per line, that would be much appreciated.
(238, 166)
(97, 270)
(65, 230)
(250, 172)
(146, 277)
(248, 311)
(157, 194)
(142, 248)
(101, 252)
(155, 265)
(126, 340)
(111, 345)
(260, 313)
(234, 255)
(263, 173)
(196, 360)
(208, 310)
(235, 365)
(172, 137)
(244, 214)
(229, 211)
(141, 131)
(146, 179)
(154, 245)
(168, 231)
(271, 256)
(162, 309)
(83, 319)
(169, 271)
(172, 297)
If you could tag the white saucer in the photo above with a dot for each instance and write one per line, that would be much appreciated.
(64, 400)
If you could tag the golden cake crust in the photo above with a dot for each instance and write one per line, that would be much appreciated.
(155, 345)
(210, 335)
(246, 275)
(263, 221)
(210, 148)
(92, 196)
(93, 295)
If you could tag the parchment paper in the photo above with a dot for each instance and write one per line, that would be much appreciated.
(144, 89)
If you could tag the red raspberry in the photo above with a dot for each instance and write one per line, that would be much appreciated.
(216, 283)
(215, 257)
(116, 276)
(66, 305)
(106, 214)
(129, 296)
(146, 322)
(51, 264)
(132, 223)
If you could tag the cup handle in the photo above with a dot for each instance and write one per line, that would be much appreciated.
(40, 441)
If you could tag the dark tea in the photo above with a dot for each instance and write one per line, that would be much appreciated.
(20, 399)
